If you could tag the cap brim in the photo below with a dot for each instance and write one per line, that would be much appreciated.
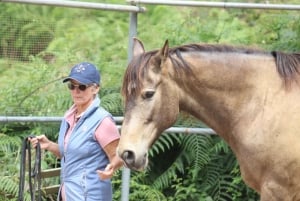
(80, 80)
(66, 79)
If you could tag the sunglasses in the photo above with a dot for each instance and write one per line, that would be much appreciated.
(81, 87)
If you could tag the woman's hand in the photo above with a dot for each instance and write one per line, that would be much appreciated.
(115, 161)
(107, 173)
(42, 139)
(45, 143)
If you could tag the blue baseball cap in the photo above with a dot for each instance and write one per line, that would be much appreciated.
(84, 73)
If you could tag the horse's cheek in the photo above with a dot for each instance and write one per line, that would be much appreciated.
(168, 114)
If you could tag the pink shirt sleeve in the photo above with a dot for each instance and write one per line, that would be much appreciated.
(107, 132)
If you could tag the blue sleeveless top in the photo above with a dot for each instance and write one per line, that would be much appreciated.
(82, 156)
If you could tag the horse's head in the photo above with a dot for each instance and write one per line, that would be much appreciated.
(151, 103)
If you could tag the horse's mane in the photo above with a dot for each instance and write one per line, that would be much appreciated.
(288, 64)
(216, 48)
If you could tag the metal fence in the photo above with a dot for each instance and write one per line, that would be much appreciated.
(118, 120)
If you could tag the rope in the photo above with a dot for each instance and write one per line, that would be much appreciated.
(34, 175)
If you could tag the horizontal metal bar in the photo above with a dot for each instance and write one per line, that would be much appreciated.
(217, 4)
(78, 4)
(7, 119)
(119, 120)
(203, 131)
(185, 130)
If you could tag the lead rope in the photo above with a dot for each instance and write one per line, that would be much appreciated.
(33, 174)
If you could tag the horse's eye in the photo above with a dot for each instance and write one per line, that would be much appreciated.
(148, 94)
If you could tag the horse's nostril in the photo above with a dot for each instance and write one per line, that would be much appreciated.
(128, 157)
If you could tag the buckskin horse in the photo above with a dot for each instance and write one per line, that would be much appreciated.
(250, 97)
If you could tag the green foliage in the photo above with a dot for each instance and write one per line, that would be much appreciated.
(30, 38)
(138, 190)
(9, 182)
(196, 148)
(202, 178)
(182, 177)
(10, 153)
(112, 102)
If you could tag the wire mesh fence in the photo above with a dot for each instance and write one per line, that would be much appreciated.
(39, 45)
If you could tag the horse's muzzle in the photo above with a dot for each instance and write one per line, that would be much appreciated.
(134, 163)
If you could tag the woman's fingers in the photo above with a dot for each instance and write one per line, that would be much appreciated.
(34, 140)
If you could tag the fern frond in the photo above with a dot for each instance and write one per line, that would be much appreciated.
(198, 146)
(9, 185)
(113, 103)
(164, 142)
(154, 194)
(221, 190)
(9, 188)
(6, 140)
(221, 146)
(145, 192)
(210, 175)
(165, 179)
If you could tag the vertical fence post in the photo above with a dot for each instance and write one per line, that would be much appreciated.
(126, 171)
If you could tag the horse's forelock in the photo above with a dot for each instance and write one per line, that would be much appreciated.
(132, 82)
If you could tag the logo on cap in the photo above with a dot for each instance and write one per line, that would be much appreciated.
(79, 68)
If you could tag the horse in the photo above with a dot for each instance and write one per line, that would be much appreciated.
(250, 97)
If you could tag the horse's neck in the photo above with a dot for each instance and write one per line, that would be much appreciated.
(223, 89)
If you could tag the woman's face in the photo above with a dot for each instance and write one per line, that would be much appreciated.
(82, 95)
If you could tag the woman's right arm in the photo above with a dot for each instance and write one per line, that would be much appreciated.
(46, 144)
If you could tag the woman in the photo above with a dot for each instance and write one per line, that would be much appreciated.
(87, 141)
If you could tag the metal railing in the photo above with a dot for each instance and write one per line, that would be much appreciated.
(49, 173)
(78, 4)
(267, 6)
(119, 120)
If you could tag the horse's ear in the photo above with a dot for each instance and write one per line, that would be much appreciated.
(138, 47)
(161, 56)
(165, 50)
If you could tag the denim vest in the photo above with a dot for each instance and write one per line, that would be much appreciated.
(82, 157)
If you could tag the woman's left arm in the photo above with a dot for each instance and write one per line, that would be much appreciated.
(115, 161)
